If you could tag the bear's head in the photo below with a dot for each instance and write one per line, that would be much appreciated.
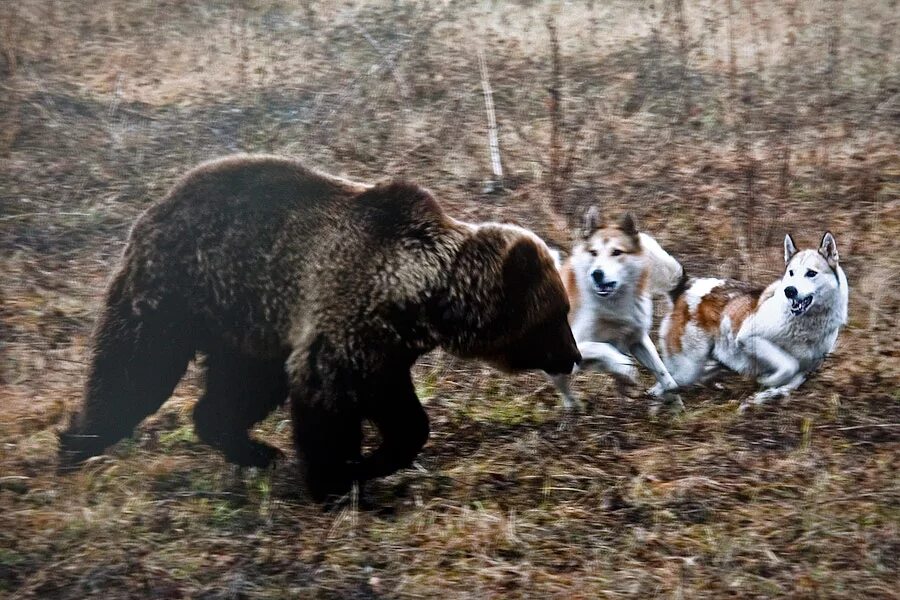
(507, 304)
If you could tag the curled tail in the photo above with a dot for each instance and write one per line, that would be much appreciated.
(680, 287)
(667, 275)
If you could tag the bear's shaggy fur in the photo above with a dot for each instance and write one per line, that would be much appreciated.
(298, 284)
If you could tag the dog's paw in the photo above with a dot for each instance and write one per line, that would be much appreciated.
(573, 406)
(567, 421)
(657, 391)
(776, 378)
(761, 398)
(661, 391)
(671, 403)
(769, 394)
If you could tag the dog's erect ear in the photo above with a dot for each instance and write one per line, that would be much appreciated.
(627, 225)
(828, 249)
(789, 248)
(591, 222)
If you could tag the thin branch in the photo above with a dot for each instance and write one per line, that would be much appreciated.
(46, 214)
(389, 60)
(493, 140)
(555, 115)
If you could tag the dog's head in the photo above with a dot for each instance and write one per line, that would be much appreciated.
(810, 275)
(609, 257)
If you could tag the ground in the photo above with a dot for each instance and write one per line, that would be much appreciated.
(720, 125)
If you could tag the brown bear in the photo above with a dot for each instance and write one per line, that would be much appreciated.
(297, 284)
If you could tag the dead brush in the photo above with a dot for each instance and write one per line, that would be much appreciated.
(797, 502)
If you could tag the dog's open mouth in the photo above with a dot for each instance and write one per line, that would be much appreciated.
(605, 289)
(799, 306)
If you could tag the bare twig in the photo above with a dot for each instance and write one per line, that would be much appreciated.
(45, 214)
(732, 60)
(389, 60)
(493, 140)
(683, 49)
(834, 42)
(867, 426)
(555, 109)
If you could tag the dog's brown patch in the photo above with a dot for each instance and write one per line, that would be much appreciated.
(710, 309)
(739, 310)
(613, 235)
(678, 320)
(741, 307)
(643, 281)
(570, 282)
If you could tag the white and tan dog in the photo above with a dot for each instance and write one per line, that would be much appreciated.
(778, 334)
(610, 278)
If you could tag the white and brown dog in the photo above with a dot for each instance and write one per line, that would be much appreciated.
(778, 334)
(610, 278)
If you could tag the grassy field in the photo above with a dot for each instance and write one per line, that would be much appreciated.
(721, 124)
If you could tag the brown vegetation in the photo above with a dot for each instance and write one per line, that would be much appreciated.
(720, 124)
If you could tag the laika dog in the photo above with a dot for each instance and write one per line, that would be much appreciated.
(778, 334)
(610, 278)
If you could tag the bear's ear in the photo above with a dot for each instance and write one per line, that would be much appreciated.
(789, 248)
(521, 268)
(591, 222)
(828, 249)
(627, 225)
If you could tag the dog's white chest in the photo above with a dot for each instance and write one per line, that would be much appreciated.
(617, 323)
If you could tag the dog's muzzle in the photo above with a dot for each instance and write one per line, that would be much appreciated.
(800, 305)
(601, 286)
(605, 289)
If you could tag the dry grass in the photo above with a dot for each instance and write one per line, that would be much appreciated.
(721, 128)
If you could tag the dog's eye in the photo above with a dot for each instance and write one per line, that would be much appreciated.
(616, 252)
(592, 252)
(810, 273)
(791, 272)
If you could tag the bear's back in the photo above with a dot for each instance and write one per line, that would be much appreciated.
(242, 243)
(258, 190)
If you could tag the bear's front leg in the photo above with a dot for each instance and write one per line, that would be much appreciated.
(395, 410)
(328, 441)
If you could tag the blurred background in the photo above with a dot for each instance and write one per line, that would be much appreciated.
(720, 124)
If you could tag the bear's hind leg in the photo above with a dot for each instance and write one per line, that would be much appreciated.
(240, 392)
(137, 361)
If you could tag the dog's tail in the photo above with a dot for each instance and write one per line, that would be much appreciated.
(667, 276)
(679, 288)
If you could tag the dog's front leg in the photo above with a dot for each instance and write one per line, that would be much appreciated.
(784, 367)
(773, 393)
(603, 356)
(570, 402)
(646, 354)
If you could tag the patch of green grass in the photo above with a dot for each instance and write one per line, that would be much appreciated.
(427, 385)
(10, 558)
(182, 437)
